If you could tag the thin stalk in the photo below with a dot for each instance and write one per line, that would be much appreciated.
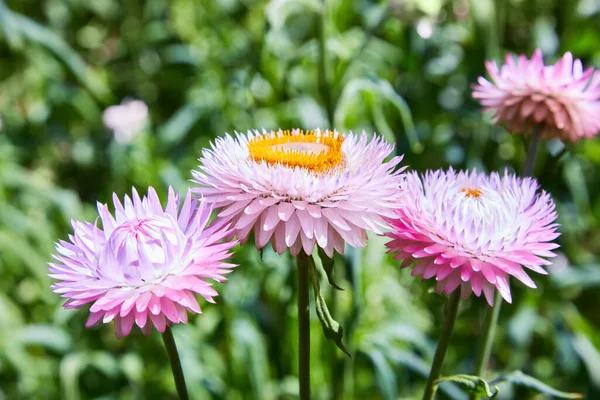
(302, 269)
(530, 160)
(325, 92)
(492, 318)
(440, 352)
(171, 348)
(488, 338)
(324, 89)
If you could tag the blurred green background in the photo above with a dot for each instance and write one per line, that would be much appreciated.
(402, 68)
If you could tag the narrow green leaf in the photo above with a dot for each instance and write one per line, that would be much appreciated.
(387, 90)
(472, 384)
(328, 266)
(581, 276)
(384, 374)
(180, 124)
(416, 363)
(381, 89)
(589, 355)
(331, 328)
(521, 379)
(47, 336)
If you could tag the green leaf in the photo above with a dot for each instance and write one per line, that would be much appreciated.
(589, 355)
(582, 276)
(328, 266)
(521, 379)
(384, 374)
(473, 384)
(331, 328)
(132, 366)
(278, 11)
(250, 351)
(38, 33)
(47, 336)
(416, 363)
(380, 89)
(180, 124)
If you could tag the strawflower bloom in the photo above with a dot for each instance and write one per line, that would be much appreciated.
(146, 264)
(472, 231)
(297, 189)
(561, 100)
(127, 120)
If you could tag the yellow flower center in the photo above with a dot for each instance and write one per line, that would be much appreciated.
(470, 192)
(317, 151)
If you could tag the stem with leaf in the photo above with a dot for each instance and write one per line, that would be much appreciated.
(488, 338)
(173, 355)
(492, 319)
(302, 270)
(440, 352)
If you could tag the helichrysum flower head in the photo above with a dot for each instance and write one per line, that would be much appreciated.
(297, 189)
(473, 231)
(145, 265)
(562, 100)
(126, 120)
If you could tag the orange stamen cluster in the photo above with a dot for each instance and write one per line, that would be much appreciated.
(469, 192)
(317, 151)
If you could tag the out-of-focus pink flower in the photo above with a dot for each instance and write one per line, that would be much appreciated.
(473, 231)
(145, 265)
(562, 100)
(295, 189)
(126, 120)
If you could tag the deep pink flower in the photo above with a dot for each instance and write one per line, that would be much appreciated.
(145, 265)
(473, 231)
(297, 189)
(562, 99)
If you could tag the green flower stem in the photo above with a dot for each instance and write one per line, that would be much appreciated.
(324, 88)
(530, 160)
(488, 338)
(171, 348)
(440, 352)
(492, 318)
(302, 269)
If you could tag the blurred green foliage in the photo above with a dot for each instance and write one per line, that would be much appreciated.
(400, 67)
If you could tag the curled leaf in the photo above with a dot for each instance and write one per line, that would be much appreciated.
(520, 379)
(328, 266)
(474, 385)
(331, 328)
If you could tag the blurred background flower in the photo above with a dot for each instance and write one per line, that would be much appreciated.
(560, 100)
(127, 119)
(209, 67)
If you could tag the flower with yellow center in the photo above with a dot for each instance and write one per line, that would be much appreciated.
(295, 189)
(316, 151)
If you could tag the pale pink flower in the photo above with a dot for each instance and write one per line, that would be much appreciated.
(562, 100)
(297, 189)
(473, 231)
(126, 120)
(145, 265)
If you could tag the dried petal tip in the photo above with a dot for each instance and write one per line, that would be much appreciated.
(562, 99)
(145, 265)
(473, 231)
(295, 189)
